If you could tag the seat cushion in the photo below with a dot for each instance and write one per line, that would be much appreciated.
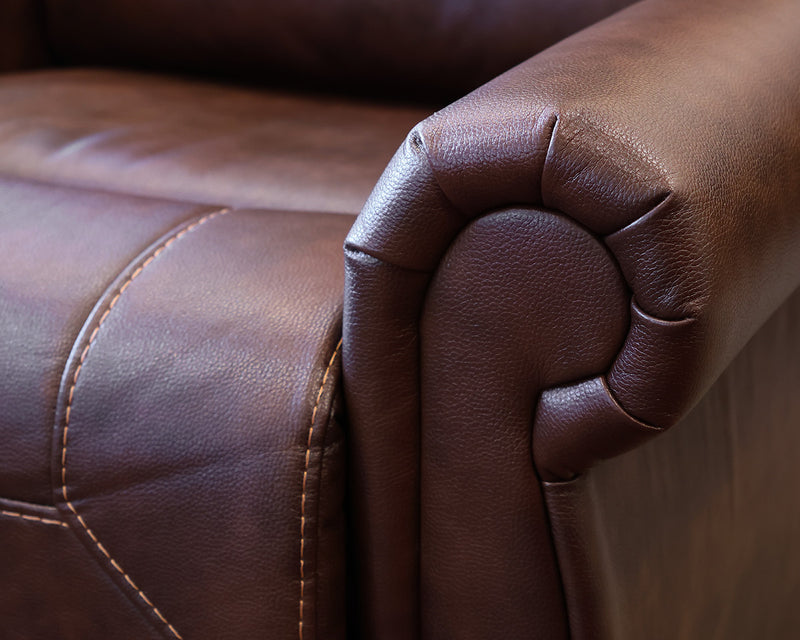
(172, 438)
(196, 142)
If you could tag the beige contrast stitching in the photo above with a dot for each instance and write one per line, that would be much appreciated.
(25, 516)
(71, 395)
(305, 478)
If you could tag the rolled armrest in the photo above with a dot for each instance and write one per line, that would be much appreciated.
(566, 259)
(22, 43)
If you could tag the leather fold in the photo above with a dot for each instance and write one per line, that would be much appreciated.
(579, 424)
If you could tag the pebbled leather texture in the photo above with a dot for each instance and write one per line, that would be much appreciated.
(195, 141)
(659, 132)
(480, 371)
(414, 50)
(551, 271)
(194, 444)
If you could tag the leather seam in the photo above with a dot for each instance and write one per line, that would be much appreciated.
(330, 420)
(30, 518)
(304, 494)
(71, 394)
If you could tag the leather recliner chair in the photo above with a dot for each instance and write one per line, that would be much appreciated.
(215, 425)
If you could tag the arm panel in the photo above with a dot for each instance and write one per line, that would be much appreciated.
(669, 133)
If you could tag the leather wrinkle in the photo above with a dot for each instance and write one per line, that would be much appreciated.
(311, 430)
(548, 155)
(613, 398)
(665, 321)
(143, 261)
(616, 401)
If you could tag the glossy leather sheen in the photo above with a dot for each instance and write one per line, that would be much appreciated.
(552, 271)
(626, 130)
(61, 250)
(411, 49)
(175, 395)
(197, 142)
(694, 535)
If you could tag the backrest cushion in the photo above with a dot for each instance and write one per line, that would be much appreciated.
(411, 48)
(21, 44)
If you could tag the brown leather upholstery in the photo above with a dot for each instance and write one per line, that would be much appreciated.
(196, 142)
(59, 255)
(414, 50)
(625, 129)
(694, 534)
(578, 256)
(188, 357)
(39, 555)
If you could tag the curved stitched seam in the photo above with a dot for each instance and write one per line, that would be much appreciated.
(305, 480)
(135, 274)
(30, 518)
(321, 464)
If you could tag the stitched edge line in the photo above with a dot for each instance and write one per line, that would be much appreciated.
(71, 395)
(305, 478)
(25, 516)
